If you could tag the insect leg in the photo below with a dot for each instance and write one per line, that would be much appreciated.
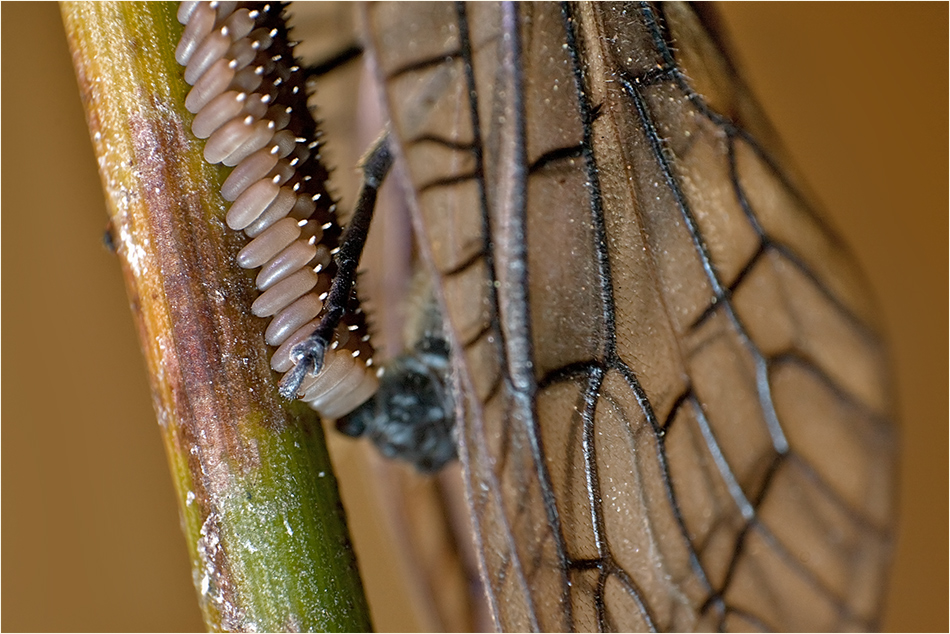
(308, 354)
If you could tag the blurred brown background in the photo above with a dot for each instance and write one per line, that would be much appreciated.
(90, 533)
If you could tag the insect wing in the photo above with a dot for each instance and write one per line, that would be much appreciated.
(674, 413)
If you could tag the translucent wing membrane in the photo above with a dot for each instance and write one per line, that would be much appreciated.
(673, 403)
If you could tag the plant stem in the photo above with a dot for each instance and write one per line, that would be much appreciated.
(259, 503)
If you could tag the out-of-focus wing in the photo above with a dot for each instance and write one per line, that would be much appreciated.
(674, 406)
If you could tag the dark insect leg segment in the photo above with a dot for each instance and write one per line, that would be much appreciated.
(308, 355)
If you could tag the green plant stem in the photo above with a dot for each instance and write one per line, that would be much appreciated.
(259, 503)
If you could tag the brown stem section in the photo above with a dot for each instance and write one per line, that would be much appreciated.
(260, 510)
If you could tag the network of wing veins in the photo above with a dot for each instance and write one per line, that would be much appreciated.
(594, 370)
(521, 390)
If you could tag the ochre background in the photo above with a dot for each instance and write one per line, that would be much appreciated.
(90, 528)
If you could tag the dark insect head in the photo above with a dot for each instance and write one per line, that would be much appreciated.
(412, 415)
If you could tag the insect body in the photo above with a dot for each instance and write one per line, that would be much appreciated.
(672, 401)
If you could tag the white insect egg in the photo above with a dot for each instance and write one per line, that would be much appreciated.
(241, 74)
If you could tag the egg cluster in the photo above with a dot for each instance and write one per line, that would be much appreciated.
(249, 99)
